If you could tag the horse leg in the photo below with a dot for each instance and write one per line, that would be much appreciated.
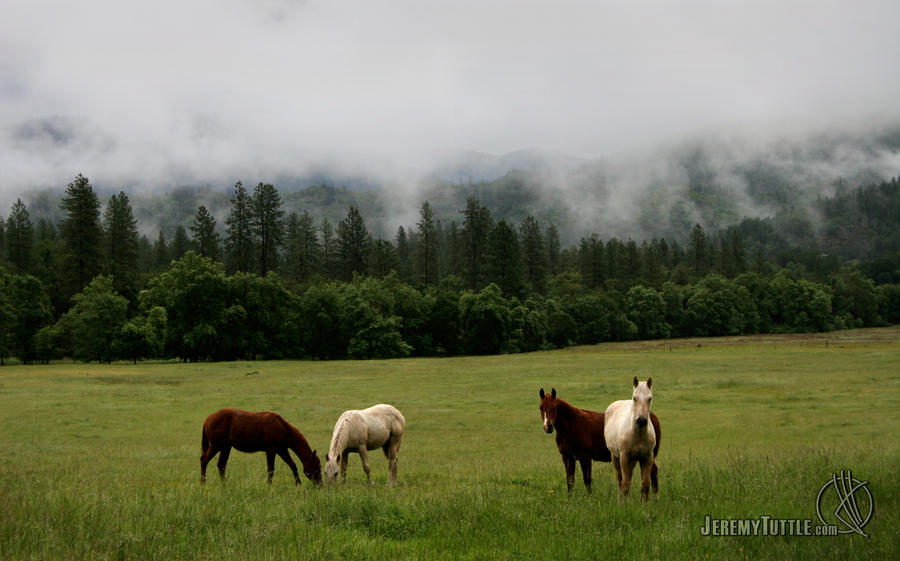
(345, 458)
(270, 465)
(391, 448)
(586, 472)
(646, 467)
(616, 462)
(284, 455)
(627, 464)
(569, 463)
(223, 460)
(364, 456)
(205, 457)
(654, 479)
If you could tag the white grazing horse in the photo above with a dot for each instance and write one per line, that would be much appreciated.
(379, 426)
(631, 438)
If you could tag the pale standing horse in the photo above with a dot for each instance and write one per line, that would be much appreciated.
(379, 426)
(631, 439)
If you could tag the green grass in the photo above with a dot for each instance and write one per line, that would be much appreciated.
(102, 461)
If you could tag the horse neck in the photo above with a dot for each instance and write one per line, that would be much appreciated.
(339, 438)
(299, 445)
(565, 413)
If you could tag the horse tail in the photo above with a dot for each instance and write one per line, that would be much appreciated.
(658, 430)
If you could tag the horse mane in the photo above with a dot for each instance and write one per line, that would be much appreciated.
(301, 446)
(339, 437)
(567, 408)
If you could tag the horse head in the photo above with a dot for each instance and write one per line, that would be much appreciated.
(548, 409)
(313, 470)
(642, 396)
(332, 468)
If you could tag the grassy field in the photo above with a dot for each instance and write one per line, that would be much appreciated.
(102, 461)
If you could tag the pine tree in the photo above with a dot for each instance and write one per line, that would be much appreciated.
(382, 259)
(19, 237)
(121, 237)
(477, 223)
(309, 254)
(180, 243)
(591, 261)
(267, 224)
(353, 244)
(329, 252)
(81, 235)
(534, 254)
(554, 251)
(204, 237)
(698, 252)
(2, 239)
(504, 266)
(239, 232)
(404, 259)
(427, 247)
(161, 257)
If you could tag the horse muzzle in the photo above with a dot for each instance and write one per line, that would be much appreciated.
(548, 428)
(641, 422)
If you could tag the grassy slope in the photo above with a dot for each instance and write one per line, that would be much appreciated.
(103, 461)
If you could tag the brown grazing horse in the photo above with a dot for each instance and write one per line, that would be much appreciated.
(579, 436)
(256, 432)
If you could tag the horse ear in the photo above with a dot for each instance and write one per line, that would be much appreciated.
(542, 393)
(635, 381)
(314, 452)
(553, 393)
(649, 381)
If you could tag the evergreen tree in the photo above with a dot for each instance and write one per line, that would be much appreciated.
(81, 235)
(382, 259)
(699, 251)
(2, 242)
(504, 265)
(554, 261)
(451, 257)
(477, 222)
(19, 237)
(591, 261)
(353, 244)
(161, 257)
(329, 251)
(404, 256)
(308, 250)
(121, 237)
(267, 225)
(427, 247)
(631, 263)
(180, 243)
(204, 238)
(534, 254)
(239, 232)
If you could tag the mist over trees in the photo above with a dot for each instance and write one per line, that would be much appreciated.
(273, 284)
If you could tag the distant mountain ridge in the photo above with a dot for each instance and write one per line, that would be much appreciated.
(714, 183)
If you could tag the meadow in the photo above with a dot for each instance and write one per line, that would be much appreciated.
(102, 461)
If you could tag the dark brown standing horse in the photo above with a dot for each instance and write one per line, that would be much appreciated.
(579, 436)
(256, 432)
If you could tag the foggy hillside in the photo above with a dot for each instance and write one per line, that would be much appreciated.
(715, 182)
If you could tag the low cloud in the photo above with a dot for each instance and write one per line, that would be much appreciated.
(149, 97)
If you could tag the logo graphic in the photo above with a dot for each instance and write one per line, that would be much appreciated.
(847, 501)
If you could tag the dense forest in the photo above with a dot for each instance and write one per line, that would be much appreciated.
(493, 276)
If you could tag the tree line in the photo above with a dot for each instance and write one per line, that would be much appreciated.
(275, 285)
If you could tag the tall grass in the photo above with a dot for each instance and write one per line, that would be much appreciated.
(102, 462)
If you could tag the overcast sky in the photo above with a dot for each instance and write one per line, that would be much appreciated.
(172, 91)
